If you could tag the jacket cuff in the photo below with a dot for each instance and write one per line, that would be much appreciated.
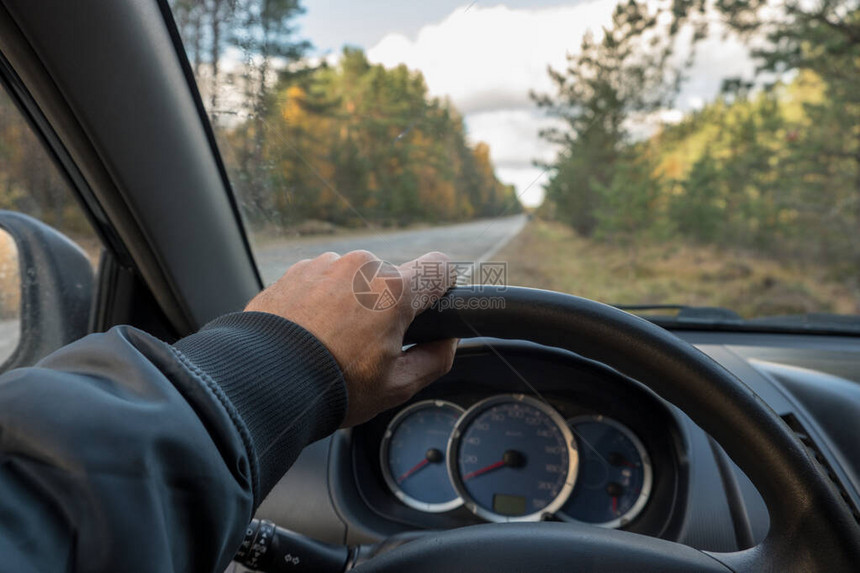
(283, 382)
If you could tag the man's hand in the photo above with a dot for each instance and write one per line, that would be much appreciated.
(366, 342)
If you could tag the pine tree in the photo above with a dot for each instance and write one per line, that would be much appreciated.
(614, 78)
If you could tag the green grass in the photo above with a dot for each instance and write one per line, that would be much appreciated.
(552, 256)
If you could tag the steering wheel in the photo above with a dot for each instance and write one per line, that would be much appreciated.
(811, 527)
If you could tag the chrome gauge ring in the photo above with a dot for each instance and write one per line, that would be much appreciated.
(412, 456)
(512, 458)
(615, 474)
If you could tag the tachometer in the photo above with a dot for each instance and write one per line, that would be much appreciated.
(413, 453)
(615, 477)
(512, 458)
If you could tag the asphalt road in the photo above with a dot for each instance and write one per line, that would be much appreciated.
(465, 242)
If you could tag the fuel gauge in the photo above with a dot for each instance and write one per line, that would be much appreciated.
(615, 475)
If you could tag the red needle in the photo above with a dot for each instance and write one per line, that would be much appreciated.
(414, 469)
(490, 467)
(615, 505)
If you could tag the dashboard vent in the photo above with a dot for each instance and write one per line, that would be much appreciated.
(813, 449)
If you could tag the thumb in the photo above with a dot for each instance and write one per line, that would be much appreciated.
(426, 279)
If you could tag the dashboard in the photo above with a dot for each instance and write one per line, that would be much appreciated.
(539, 435)
(522, 432)
(511, 457)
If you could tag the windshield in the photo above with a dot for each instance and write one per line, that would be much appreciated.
(659, 154)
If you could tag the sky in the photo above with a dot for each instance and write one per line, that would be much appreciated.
(486, 56)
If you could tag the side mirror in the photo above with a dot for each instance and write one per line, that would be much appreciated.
(56, 289)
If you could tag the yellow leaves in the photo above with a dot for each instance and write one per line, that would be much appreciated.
(373, 186)
(672, 167)
(807, 88)
(787, 216)
(482, 159)
(291, 109)
(437, 194)
(375, 135)
(709, 131)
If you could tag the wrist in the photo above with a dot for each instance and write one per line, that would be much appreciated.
(283, 382)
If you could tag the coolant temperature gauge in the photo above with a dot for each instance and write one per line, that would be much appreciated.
(615, 475)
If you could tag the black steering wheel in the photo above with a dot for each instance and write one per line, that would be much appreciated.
(811, 527)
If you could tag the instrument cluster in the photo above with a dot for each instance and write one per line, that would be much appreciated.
(513, 457)
(519, 432)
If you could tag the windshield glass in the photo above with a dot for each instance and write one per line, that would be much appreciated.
(690, 154)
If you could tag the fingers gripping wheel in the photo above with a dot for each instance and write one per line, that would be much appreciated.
(811, 528)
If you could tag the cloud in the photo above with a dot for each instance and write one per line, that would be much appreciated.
(487, 59)
(514, 145)
(717, 57)
(529, 182)
(508, 129)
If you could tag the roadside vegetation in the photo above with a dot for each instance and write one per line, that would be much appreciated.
(553, 256)
(767, 175)
(750, 202)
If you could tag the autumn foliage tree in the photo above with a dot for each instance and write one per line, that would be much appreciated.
(769, 165)
(28, 180)
(357, 143)
(350, 144)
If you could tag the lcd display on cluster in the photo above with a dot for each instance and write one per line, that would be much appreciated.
(509, 504)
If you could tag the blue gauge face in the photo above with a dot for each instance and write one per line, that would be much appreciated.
(514, 459)
(413, 456)
(614, 479)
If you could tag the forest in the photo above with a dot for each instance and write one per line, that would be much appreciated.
(356, 144)
(351, 144)
(769, 167)
(772, 166)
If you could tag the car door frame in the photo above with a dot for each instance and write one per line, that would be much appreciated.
(109, 89)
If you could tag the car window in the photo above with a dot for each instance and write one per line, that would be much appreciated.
(30, 183)
(667, 157)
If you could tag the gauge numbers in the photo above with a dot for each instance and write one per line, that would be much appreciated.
(512, 458)
(413, 453)
(614, 480)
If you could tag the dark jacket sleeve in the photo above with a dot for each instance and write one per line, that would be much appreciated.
(123, 453)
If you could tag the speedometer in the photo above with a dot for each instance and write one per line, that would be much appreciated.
(512, 458)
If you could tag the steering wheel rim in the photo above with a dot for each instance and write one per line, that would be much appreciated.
(811, 529)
